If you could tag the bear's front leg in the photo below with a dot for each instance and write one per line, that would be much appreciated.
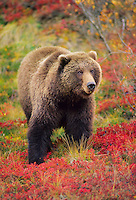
(78, 125)
(39, 141)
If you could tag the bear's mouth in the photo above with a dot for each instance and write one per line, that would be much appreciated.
(86, 94)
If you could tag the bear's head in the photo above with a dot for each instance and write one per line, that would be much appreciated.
(79, 72)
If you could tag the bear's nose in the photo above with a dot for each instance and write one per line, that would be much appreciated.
(91, 86)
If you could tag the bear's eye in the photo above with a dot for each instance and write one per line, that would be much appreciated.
(80, 73)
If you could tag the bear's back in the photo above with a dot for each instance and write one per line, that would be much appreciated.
(29, 66)
(30, 63)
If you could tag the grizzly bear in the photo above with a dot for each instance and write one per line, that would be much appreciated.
(56, 88)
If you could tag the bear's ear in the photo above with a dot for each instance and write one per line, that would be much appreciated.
(63, 60)
(93, 55)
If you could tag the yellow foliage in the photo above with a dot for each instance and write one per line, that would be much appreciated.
(97, 34)
(86, 2)
(117, 3)
(89, 32)
(110, 20)
(77, 1)
(82, 22)
(116, 15)
(104, 26)
(4, 93)
(131, 23)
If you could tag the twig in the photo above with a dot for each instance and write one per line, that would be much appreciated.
(118, 52)
(90, 17)
(123, 26)
(125, 44)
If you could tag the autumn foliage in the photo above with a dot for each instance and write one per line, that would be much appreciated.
(14, 10)
(105, 166)
(109, 173)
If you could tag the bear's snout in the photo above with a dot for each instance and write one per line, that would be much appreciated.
(91, 86)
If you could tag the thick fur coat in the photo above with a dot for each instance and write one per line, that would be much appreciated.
(56, 88)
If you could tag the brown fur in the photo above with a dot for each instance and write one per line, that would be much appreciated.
(54, 90)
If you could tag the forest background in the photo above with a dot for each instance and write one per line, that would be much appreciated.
(106, 169)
